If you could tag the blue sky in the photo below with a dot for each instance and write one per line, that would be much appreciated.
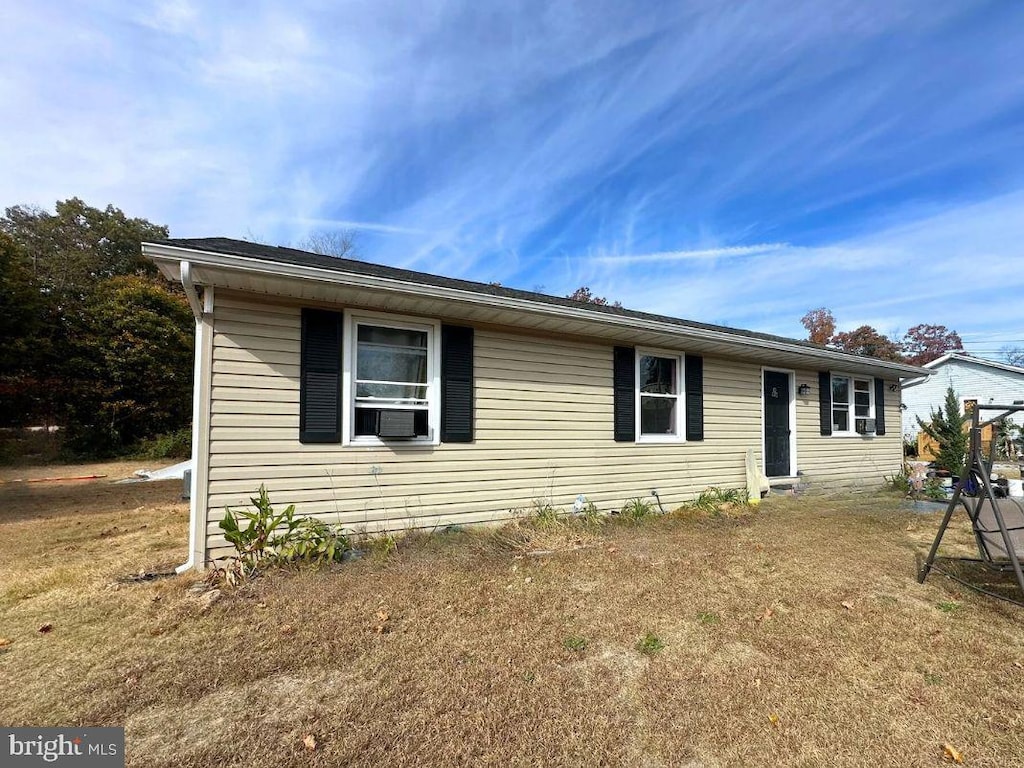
(735, 163)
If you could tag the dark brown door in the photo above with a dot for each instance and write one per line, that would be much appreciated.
(776, 424)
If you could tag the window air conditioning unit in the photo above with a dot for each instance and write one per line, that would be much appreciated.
(396, 424)
(865, 426)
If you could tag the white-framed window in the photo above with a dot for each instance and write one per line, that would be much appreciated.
(853, 398)
(391, 371)
(659, 396)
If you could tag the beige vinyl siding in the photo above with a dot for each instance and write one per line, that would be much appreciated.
(836, 461)
(543, 424)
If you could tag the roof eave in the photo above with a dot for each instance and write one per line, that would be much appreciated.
(169, 257)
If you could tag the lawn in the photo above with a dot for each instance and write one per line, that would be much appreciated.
(794, 635)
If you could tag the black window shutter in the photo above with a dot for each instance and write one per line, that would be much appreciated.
(624, 394)
(825, 401)
(320, 377)
(879, 407)
(694, 365)
(456, 384)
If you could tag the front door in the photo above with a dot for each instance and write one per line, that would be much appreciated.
(776, 424)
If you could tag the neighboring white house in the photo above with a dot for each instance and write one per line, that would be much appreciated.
(972, 378)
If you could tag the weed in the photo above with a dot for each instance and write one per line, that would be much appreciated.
(948, 606)
(650, 644)
(591, 515)
(712, 501)
(578, 644)
(930, 678)
(383, 545)
(707, 618)
(637, 509)
(899, 482)
(544, 513)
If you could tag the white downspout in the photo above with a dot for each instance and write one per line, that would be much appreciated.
(199, 310)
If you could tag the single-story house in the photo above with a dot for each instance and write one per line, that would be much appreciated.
(972, 378)
(386, 399)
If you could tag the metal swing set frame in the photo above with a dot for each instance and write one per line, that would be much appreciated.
(998, 523)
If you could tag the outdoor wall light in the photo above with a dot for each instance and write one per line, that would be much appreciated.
(803, 390)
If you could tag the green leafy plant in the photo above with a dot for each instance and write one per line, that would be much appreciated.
(261, 535)
(637, 509)
(650, 644)
(946, 428)
(707, 618)
(933, 490)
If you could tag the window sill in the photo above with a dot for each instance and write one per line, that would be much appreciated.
(656, 440)
(363, 442)
(851, 434)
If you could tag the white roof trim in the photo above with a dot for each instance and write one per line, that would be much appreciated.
(976, 360)
(176, 254)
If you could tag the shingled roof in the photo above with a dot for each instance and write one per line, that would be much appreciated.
(280, 255)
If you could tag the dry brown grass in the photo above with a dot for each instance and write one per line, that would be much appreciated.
(794, 635)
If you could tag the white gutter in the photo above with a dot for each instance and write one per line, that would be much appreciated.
(279, 269)
(199, 311)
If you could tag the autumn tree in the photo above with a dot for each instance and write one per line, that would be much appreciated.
(868, 342)
(924, 343)
(820, 325)
(585, 295)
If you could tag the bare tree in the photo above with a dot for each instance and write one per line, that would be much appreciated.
(1014, 355)
(341, 243)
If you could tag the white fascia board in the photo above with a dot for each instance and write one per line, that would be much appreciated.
(159, 252)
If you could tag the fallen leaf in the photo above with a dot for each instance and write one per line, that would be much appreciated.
(768, 613)
(47, 627)
(261, 605)
(310, 742)
(287, 629)
(949, 752)
(773, 719)
(4, 642)
(757, 682)
(847, 605)
(1018, 665)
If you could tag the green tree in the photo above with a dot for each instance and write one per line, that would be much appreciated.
(138, 349)
(68, 365)
(946, 428)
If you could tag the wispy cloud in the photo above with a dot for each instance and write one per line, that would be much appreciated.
(738, 162)
(702, 254)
